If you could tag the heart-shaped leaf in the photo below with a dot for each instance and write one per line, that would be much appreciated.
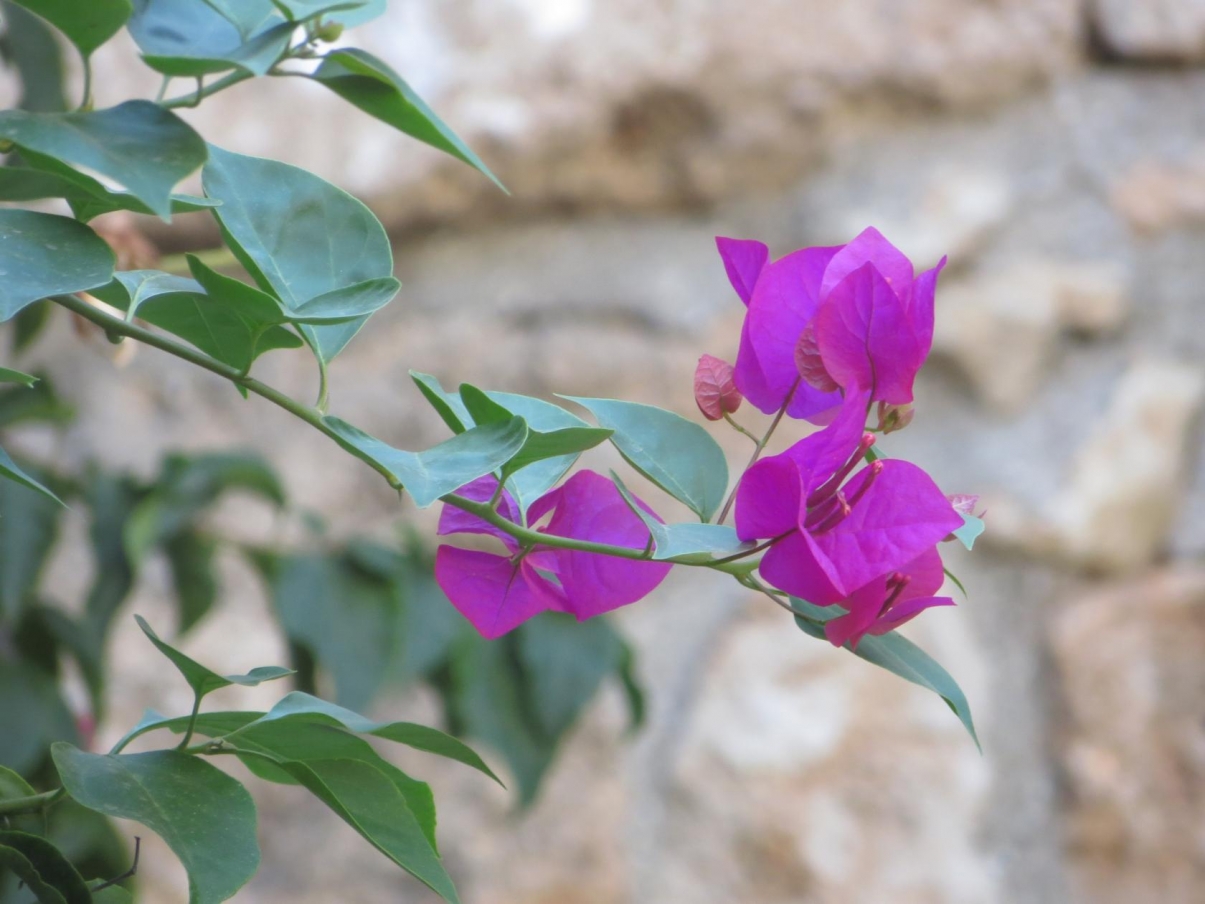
(676, 454)
(42, 254)
(189, 39)
(299, 236)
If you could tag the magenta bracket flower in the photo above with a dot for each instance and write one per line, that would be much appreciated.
(496, 593)
(834, 533)
(890, 600)
(850, 317)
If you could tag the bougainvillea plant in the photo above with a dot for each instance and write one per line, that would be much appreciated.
(842, 537)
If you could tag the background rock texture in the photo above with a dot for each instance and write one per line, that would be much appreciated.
(1055, 150)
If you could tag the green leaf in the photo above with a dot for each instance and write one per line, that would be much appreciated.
(29, 522)
(28, 325)
(228, 320)
(12, 786)
(348, 303)
(896, 654)
(369, 801)
(187, 487)
(189, 39)
(302, 10)
(247, 15)
(113, 894)
(88, 197)
(350, 18)
(29, 697)
(444, 468)
(206, 817)
(368, 83)
(15, 376)
(689, 543)
(297, 706)
(9, 469)
(447, 404)
(486, 699)
(87, 26)
(972, 527)
(190, 556)
(565, 662)
(31, 48)
(353, 642)
(111, 500)
(676, 454)
(298, 236)
(138, 144)
(42, 867)
(42, 254)
(559, 446)
(203, 680)
(39, 405)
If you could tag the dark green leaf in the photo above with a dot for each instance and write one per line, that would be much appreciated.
(8, 375)
(369, 801)
(190, 556)
(486, 699)
(206, 817)
(676, 454)
(896, 654)
(42, 254)
(113, 894)
(37, 405)
(228, 320)
(138, 144)
(84, 644)
(28, 525)
(445, 468)
(448, 405)
(12, 786)
(189, 486)
(30, 697)
(28, 325)
(49, 875)
(32, 49)
(203, 680)
(298, 236)
(346, 619)
(368, 83)
(297, 706)
(565, 662)
(189, 39)
(9, 469)
(111, 500)
(87, 26)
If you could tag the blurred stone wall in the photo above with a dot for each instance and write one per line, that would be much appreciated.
(1055, 150)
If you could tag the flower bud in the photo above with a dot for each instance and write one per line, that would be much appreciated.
(328, 31)
(810, 364)
(715, 391)
(894, 417)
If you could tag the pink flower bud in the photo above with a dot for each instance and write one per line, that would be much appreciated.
(810, 364)
(715, 391)
(894, 417)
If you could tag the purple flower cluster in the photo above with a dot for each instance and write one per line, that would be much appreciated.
(830, 331)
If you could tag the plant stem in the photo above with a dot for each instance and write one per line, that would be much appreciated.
(739, 429)
(86, 103)
(192, 721)
(131, 330)
(314, 418)
(191, 100)
(757, 451)
(14, 806)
